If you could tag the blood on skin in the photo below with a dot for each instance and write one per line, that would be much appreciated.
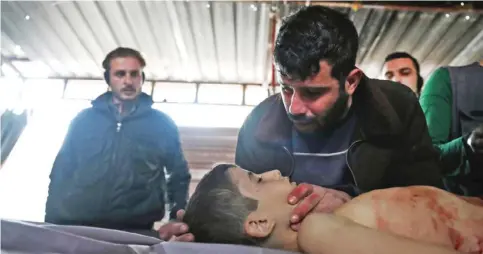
(456, 238)
(381, 223)
(434, 223)
(305, 207)
(300, 191)
(432, 215)
(417, 202)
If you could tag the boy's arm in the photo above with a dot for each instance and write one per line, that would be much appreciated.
(331, 234)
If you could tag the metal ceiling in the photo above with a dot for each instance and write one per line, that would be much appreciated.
(224, 42)
(202, 41)
(434, 38)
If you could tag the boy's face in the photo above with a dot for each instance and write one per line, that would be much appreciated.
(272, 218)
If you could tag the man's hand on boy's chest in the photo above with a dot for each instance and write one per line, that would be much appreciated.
(311, 198)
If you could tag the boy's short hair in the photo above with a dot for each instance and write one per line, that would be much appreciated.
(216, 212)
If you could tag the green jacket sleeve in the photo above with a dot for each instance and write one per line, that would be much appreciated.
(436, 102)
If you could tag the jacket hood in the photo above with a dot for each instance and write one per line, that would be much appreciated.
(144, 101)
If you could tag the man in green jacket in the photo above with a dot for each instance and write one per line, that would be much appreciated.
(451, 102)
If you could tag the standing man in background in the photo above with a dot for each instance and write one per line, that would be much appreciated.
(110, 171)
(403, 68)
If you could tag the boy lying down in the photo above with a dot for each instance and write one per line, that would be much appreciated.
(231, 205)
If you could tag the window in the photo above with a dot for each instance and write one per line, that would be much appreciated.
(85, 89)
(255, 94)
(147, 87)
(10, 92)
(8, 71)
(32, 69)
(220, 94)
(199, 115)
(174, 92)
(37, 92)
(33, 156)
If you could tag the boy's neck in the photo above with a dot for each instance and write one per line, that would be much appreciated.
(285, 239)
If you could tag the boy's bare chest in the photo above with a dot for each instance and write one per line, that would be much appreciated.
(422, 214)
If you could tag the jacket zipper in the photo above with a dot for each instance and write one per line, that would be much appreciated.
(292, 161)
(112, 162)
(114, 155)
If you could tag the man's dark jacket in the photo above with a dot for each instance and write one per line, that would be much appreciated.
(110, 173)
(390, 146)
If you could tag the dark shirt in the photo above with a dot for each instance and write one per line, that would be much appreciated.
(320, 158)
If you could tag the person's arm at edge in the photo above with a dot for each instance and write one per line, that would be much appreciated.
(436, 102)
(179, 177)
(328, 233)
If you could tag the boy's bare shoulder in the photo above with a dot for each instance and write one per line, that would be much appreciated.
(322, 226)
(316, 230)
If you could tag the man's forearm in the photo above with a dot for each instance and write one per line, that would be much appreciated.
(178, 187)
(328, 233)
(453, 155)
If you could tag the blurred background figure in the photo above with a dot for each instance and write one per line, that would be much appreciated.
(403, 68)
(452, 102)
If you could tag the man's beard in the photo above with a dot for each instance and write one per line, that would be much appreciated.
(328, 120)
(336, 113)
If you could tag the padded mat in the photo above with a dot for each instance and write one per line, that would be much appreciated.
(24, 237)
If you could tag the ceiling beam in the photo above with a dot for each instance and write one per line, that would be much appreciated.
(7, 61)
(15, 59)
(164, 81)
(468, 7)
(471, 49)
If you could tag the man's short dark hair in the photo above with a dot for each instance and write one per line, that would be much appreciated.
(313, 34)
(216, 212)
(397, 55)
(122, 52)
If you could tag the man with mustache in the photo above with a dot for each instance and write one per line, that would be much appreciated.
(331, 126)
(110, 170)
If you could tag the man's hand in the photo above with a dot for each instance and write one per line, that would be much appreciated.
(314, 198)
(475, 141)
(176, 231)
